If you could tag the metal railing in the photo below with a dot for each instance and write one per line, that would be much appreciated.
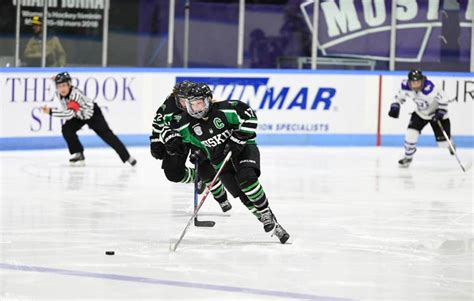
(299, 61)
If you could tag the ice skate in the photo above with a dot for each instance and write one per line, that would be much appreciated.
(281, 233)
(225, 206)
(77, 159)
(132, 161)
(405, 162)
(268, 220)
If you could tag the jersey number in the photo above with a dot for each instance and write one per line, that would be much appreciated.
(250, 113)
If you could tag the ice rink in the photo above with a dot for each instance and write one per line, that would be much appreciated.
(361, 229)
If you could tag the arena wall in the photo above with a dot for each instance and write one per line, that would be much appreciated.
(294, 107)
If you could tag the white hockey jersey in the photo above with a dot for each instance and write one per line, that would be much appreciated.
(427, 100)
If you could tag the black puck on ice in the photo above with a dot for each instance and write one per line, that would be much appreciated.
(109, 252)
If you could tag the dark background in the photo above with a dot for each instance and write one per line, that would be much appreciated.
(138, 35)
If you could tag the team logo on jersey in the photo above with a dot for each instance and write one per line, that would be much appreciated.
(422, 104)
(198, 130)
(177, 118)
(218, 123)
(218, 139)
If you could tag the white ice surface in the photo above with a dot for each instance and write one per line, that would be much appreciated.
(361, 229)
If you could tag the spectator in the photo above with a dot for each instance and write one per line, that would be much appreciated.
(55, 54)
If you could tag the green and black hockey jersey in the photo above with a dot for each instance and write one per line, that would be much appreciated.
(210, 134)
(161, 122)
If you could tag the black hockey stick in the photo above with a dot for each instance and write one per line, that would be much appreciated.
(206, 193)
(451, 147)
(197, 222)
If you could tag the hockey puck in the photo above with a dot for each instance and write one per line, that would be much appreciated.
(109, 252)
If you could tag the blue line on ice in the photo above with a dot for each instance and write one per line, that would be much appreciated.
(195, 285)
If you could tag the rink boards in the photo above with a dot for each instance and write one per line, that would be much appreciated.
(294, 107)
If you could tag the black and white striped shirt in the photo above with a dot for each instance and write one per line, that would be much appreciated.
(76, 104)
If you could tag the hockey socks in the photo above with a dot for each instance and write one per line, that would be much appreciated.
(411, 138)
(254, 211)
(189, 176)
(255, 193)
(410, 149)
(218, 191)
(259, 207)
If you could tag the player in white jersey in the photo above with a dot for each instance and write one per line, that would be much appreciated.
(431, 107)
(80, 110)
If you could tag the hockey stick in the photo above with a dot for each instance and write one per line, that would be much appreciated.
(451, 147)
(206, 193)
(197, 222)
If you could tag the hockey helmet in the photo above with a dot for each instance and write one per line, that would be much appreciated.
(62, 77)
(181, 91)
(416, 75)
(198, 99)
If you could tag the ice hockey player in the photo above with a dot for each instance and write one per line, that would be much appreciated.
(167, 145)
(218, 128)
(80, 110)
(431, 107)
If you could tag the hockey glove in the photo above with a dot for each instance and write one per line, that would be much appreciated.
(236, 144)
(157, 148)
(197, 157)
(438, 115)
(175, 146)
(394, 110)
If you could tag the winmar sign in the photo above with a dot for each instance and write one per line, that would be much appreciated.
(261, 94)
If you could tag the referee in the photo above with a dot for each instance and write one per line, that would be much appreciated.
(79, 110)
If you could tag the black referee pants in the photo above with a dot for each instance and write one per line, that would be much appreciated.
(98, 124)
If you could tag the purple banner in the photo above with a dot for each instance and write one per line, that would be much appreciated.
(426, 30)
